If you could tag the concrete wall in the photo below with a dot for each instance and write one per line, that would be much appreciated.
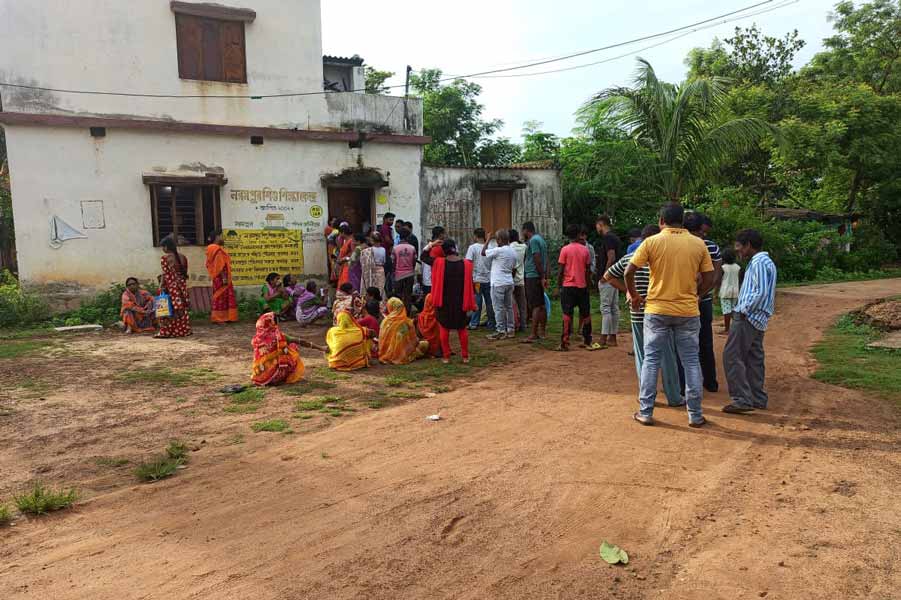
(54, 169)
(451, 197)
(130, 46)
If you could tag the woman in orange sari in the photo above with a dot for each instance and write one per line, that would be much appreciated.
(349, 345)
(398, 344)
(346, 243)
(276, 358)
(219, 267)
(138, 315)
(428, 326)
(175, 283)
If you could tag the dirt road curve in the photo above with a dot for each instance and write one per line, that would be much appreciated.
(512, 493)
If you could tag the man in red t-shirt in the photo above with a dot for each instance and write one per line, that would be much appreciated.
(575, 273)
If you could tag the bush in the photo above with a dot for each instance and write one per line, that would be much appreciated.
(42, 500)
(102, 309)
(17, 306)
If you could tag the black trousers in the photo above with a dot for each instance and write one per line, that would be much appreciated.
(706, 354)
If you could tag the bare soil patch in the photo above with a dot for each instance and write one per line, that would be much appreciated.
(510, 495)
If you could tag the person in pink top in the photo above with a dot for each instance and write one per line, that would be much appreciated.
(575, 273)
(404, 258)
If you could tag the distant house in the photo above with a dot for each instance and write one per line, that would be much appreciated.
(212, 117)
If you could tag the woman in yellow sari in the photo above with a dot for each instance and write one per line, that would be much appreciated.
(219, 267)
(348, 344)
(398, 344)
(276, 358)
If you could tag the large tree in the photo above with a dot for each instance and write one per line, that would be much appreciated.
(686, 127)
(452, 116)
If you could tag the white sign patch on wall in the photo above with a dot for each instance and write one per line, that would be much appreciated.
(92, 214)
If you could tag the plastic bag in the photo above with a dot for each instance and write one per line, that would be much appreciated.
(162, 305)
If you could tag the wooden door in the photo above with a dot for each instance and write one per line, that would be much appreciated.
(497, 210)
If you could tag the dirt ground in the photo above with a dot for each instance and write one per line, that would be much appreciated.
(508, 496)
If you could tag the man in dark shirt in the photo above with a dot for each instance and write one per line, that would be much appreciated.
(608, 252)
(697, 224)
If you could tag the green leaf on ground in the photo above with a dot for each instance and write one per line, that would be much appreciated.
(613, 554)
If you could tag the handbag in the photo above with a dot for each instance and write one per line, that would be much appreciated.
(162, 306)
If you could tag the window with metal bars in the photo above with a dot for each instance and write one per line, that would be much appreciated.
(189, 212)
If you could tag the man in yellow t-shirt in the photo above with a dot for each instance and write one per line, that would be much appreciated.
(681, 272)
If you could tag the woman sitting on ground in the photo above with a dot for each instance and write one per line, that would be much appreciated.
(308, 306)
(452, 295)
(370, 320)
(274, 297)
(174, 282)
(398, 344)
(276, 357)
(428, 326)
(137, 313)
(349, 344)
(346, 299)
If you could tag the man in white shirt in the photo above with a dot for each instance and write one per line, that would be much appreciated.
(519, 282)
(481, 279)
(503, 267)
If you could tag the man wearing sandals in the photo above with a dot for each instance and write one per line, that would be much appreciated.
(675, 258)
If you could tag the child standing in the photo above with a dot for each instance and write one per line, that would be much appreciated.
(729, 287)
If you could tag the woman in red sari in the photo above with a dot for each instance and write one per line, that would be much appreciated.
(219, 267)
(429, 330)
(175, 283)
(276, 358)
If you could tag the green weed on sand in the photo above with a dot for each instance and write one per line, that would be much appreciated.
(273, 425)
(42, 500)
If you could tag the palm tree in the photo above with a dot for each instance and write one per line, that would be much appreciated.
(686, 126)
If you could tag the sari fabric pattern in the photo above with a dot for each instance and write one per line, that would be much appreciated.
(347, 248)
(373, 273)
(428, 326)
(219, 268)
(137, 311)
(398, 344)
(351, 303)
(348, 344)
(176, 285)
(275, 360)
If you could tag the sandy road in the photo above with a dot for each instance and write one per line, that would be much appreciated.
(511, 494)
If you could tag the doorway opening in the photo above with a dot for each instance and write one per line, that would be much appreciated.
(353, 205)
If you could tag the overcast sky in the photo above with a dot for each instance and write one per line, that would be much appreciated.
(466, 36)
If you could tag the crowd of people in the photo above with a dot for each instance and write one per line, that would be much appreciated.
(393, 301)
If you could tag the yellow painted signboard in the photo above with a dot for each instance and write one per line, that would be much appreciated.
(257, 252)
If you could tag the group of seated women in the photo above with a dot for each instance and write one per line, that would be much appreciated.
(287, 299)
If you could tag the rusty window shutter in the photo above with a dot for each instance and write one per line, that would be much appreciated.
(189, 36)
(212, 50)
(233, 52)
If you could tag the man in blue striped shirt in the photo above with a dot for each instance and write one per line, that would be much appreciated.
(743, 357)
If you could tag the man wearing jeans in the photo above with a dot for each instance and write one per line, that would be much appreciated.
(608, 253)
(675, 258)
(743, 356)
(481, 279)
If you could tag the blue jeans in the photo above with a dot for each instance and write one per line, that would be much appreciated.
(483, 296)
(668, 366)
(660, 331)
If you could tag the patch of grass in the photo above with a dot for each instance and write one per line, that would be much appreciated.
(307, 386)
(405, 394)
(375, 404)
(334, 412)
(34, 388)
(177, 450)
(111, 462)
(248, 401)
(273, 425)
(330, 374)
(20, 349)
(7, 333)
(303, 417)
(442, 389)
(307, 405)
(845, 360)
(157, 468)
(396, 380)
(167, 376)
(42, 500)
(5, 517)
